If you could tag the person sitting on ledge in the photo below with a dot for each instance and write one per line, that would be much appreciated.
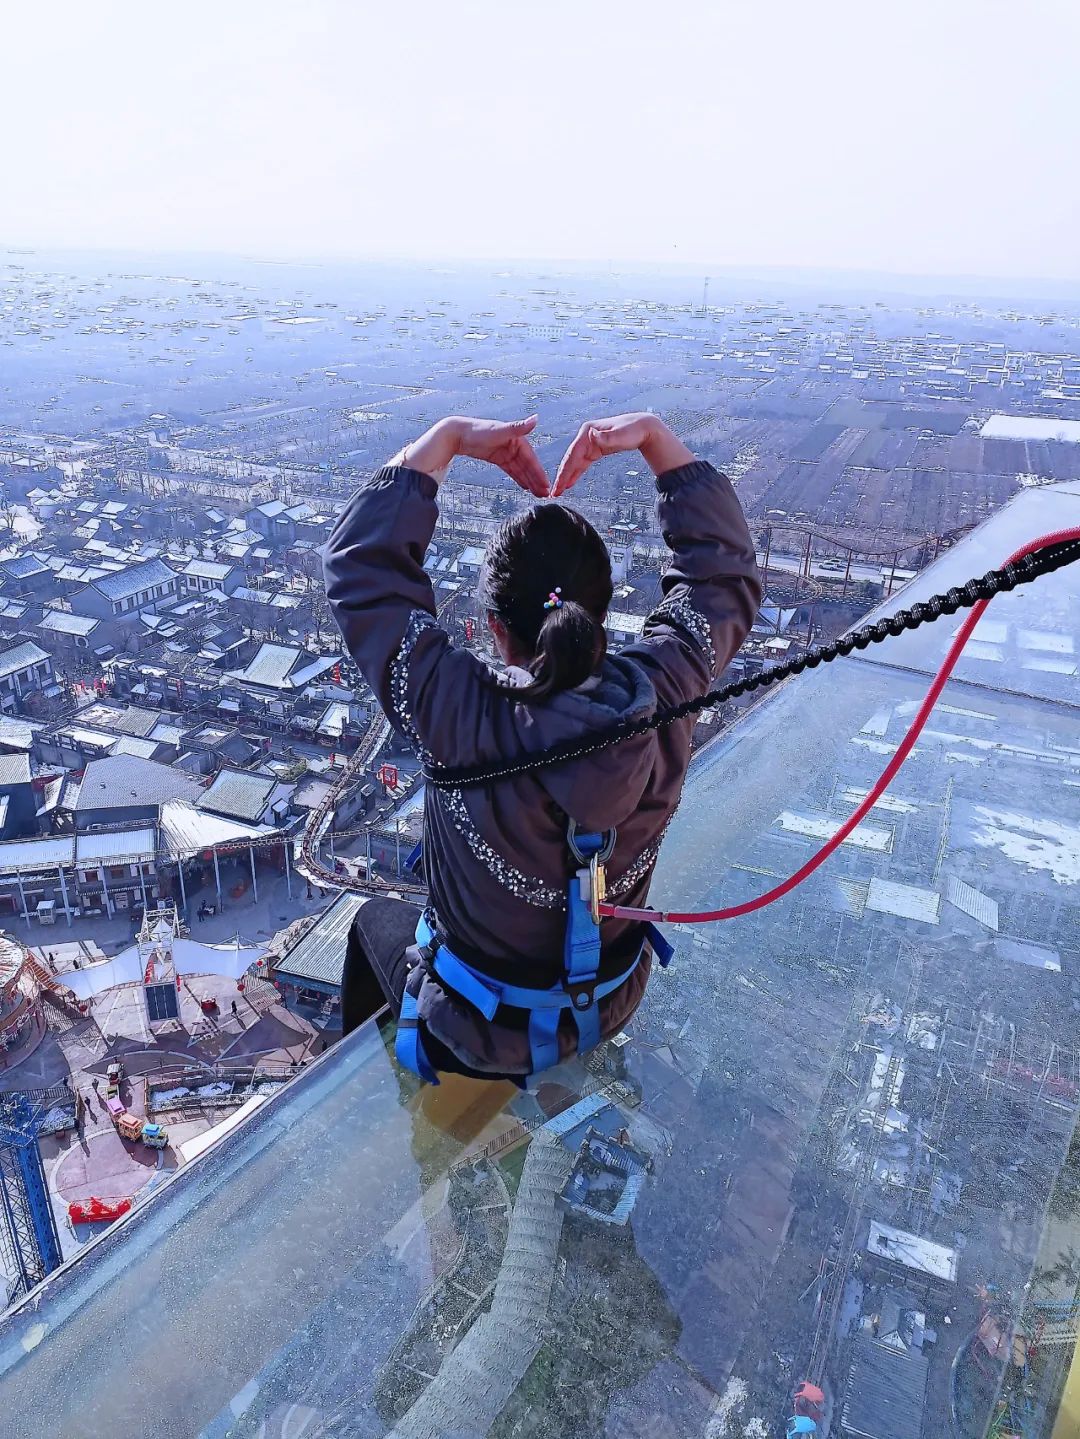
(500, 976)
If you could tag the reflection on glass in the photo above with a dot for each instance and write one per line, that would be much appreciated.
(830, 1174)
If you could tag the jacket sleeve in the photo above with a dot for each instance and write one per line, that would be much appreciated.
(384, 606)
(712, 589)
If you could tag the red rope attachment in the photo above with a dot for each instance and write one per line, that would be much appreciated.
(907, 744)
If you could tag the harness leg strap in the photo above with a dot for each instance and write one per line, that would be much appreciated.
(588, 1027)
(408, 1045)
(544, 1038)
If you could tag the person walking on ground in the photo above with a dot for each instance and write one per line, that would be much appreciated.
(498, 977)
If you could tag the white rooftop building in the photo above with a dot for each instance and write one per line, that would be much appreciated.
(912, 1251)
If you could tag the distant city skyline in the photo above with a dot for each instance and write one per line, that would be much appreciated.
(936, 140)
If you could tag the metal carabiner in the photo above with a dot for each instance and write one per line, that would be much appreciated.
(592, 871)
(597, 886)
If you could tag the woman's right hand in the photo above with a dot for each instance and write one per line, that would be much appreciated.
(660, 449)
(497, 442)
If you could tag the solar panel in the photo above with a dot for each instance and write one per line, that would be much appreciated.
(162, 1002)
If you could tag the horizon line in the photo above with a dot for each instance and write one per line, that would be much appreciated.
(614, 264)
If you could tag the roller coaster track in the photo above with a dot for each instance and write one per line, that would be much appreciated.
(308, 862)
(857, 552)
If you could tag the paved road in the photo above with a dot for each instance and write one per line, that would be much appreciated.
(478, 1377)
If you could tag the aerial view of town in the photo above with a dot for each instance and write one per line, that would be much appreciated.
(823, 1184)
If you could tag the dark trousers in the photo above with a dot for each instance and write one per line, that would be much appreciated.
(376, 968)
(376, 965)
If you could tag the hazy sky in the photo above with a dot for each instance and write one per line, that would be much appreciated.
(932, 136)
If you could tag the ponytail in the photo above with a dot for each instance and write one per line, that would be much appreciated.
(550, 553)
(570, 647)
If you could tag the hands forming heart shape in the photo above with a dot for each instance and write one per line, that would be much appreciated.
(506, 444)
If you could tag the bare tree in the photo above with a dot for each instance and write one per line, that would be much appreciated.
(251, 616)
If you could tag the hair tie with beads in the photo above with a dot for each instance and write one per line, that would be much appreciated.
(553, 602)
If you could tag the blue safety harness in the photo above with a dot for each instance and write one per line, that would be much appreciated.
(577, 991)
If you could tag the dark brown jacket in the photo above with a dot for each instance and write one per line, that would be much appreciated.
(495, 857)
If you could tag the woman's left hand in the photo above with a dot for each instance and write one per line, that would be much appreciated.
(497, 442)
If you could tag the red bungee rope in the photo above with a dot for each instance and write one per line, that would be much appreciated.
(907, 744)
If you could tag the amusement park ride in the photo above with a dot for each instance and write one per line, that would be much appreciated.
(1021, 1348)
(28, 1234)
(809, 1405)
(29, 1241)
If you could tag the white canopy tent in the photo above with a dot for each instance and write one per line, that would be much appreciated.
(189, 957)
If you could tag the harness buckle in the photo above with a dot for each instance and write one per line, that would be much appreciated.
(582, 993)
(603, 853)
(420, 956)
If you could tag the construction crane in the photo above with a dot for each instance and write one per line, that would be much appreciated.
(28, 1236)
